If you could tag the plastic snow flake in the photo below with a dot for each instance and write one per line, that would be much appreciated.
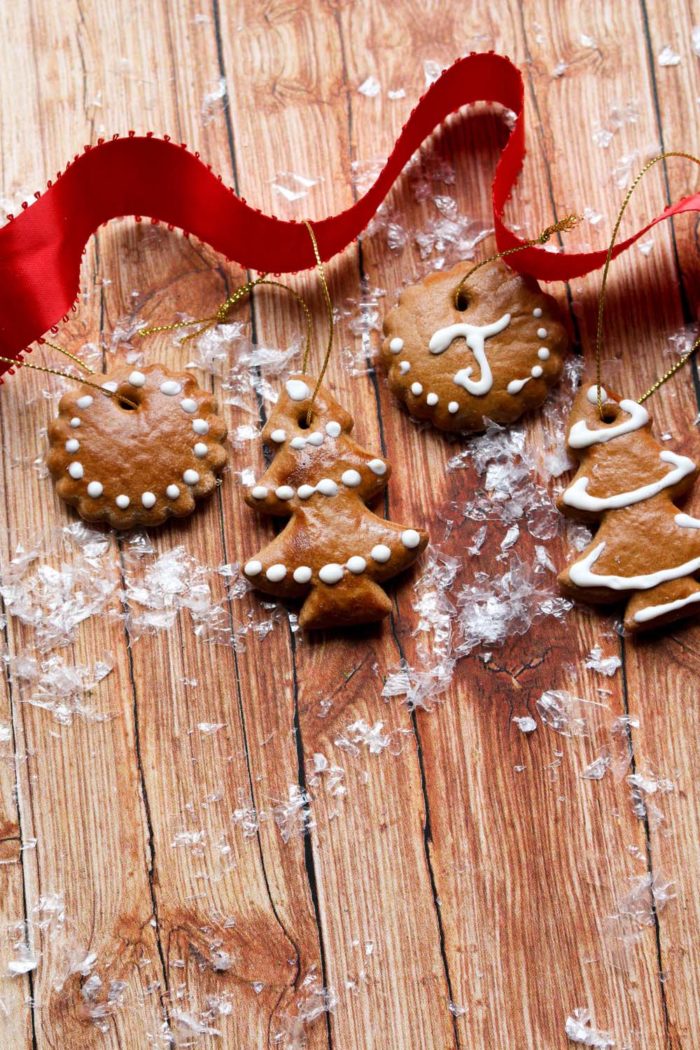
(214, 101)
(370, 87)
(596, 769)
(525, 723)
(607, 665)
(562, 712)
(294, 815)
(61, 687)
(313, 1000)
(360, 732)
(580, 1029)
(637, 909)
(669, 57)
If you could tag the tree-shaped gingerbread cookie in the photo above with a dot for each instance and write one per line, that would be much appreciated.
(646, 550)
(334, 552)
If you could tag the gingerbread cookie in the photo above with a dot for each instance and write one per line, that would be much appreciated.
(646, 550)
(493, 360)
(333, 552)
(140, 457)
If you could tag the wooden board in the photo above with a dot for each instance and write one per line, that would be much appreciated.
(464, 887)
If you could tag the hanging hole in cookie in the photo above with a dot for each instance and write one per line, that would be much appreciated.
(304, 422)
(461, 300)
(128, 402)
(610, 413)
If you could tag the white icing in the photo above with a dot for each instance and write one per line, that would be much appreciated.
(172, 492)
(453, 407)
(577, 494)
(315, 439)
(305, 491)
(686, 522)
(298, 442)
(170, 387)
(377, 466)
(278, 436)
(200, 450)
(333, 429)
(351, 478)
(85, 401)
(331, 573)
(122, 501)
(284, 492)
(200, 426)
(592, 395)
(137, 378)
(190, 477)
(302, 574)
(111, 386)
(380, 553)
(536, 371)
(72, 445)
(432, 399)
(327, 487)
(652, 611)
(189, 405)
(543, 353)
(298, 390)
(276, 573)
(580, 574)
(516, 385)
(410, 538)
(537, 312)
(95, 489)
(148, 499)
(396, 345)
(404, 366)
(475, 336)
(253, 568)
(542, 333)
(259, 492)
(75, 470)
(356, 564)
(75, 422)
(416, 388)
(581, 435)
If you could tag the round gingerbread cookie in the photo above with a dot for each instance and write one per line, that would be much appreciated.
(493, 360)
(142, 456)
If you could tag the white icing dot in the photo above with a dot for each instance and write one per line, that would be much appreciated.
(200, 450)
(416, 388)
(95, 489)
(592, 395)
(356, 564)
(396, 345)
(172, 492)
(200, 426)
(75, 422)
(284, 492)
(410, 538)
(536, 371)
(278, 436)
(333, 429)
(404, 366)
(537, 312)
(111, 386)
(298, 390)
(351, 478)
(170, 387)
(253, 568)
(122, 501)
(148, 499)
(305, 491)
(85, 401)
(327, 487)
(432, 399)
(543, 353)
(190, 477)
(188, 405)
(276, 573)
(298, 442)
(542, 333)
(258, 492)
(377, 466)
(76, 470)
(453, 407)
(72, 445)
(137, 379)
(380, 553)
(315, 439)
(302, 574)
(331, 573)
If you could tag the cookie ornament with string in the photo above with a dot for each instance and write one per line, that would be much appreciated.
(464, 349)
(334, 553)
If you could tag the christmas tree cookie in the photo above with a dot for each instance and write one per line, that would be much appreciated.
(334, 552)
(646, 550)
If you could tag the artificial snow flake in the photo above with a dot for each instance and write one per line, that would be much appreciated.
(669, 57)
(525, 723)
(580, 1029)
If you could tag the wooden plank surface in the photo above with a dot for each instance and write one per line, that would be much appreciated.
(464, 886)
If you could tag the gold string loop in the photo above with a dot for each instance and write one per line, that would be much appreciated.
(569, 222)
(331, 322)
(601, 303)
(67, 375)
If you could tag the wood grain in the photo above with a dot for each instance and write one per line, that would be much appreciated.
(467, 888)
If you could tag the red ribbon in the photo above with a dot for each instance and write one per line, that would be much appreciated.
(40, 249)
